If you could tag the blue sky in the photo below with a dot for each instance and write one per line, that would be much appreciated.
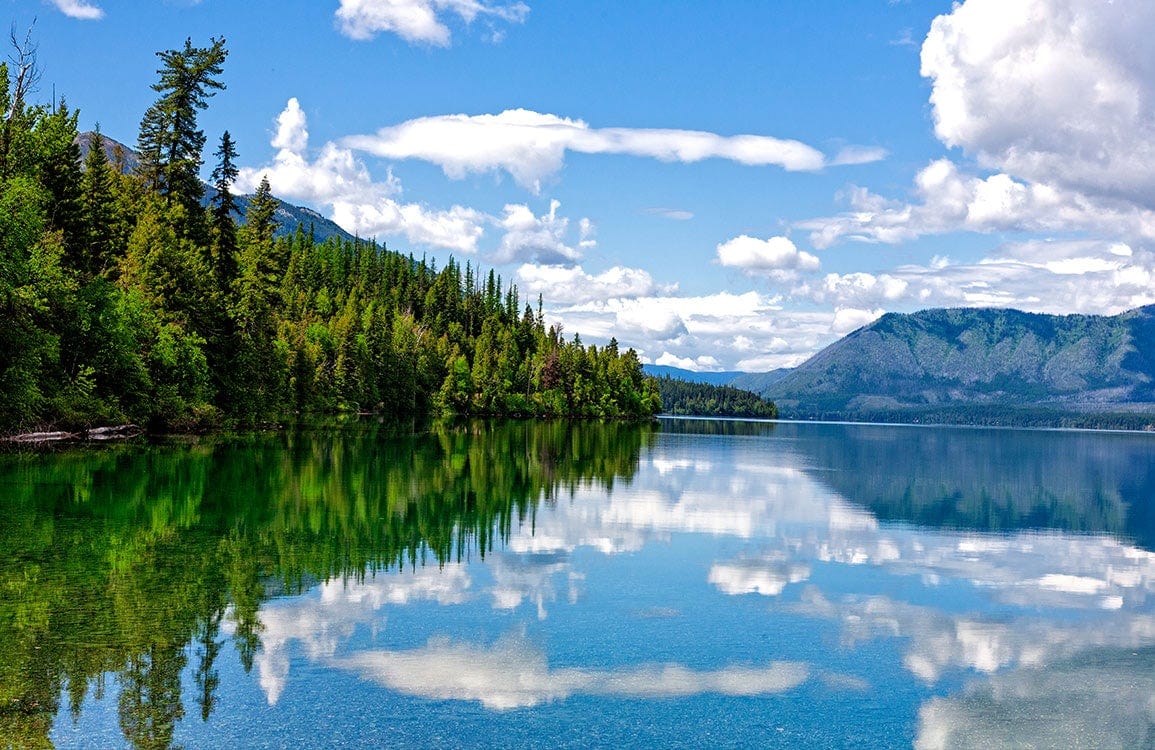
(722, 185)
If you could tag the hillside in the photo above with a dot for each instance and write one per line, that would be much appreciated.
(936, 361)
(288, 216)
(759, 381)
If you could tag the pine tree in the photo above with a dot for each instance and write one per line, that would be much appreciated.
(170, 142)
(222, 208)
(97, 209)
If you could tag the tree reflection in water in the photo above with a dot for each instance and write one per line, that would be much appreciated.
(128, 561)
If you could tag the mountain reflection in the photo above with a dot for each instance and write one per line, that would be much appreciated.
(132, 560)
(988, 479)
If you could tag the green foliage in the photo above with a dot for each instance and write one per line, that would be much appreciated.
(122, 298)
(170, 142)
(704, 400)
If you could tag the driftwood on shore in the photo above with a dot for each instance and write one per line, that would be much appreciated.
(117, 432)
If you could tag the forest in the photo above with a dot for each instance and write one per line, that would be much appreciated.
(144, 295)
(680, 397)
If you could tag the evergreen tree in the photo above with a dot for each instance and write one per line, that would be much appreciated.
(57, 160)
(223, 207)
(170, 142)
(97, 209)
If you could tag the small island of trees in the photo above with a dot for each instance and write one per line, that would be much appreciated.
(683, 398)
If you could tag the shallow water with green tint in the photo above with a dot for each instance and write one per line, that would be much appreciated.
(500, 584)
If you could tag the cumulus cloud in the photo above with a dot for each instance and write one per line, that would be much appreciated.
(531, 146)
(336, 178)
(948, 200)
(847, 319)
(1056, 92)
(419, 21)
(569, 285)
(535, 238)
(1058, 277)
(703, 363)
(81, 9)
(741, 331)
(1055, 101)
(776, 257)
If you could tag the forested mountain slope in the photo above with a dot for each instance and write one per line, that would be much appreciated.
(979, 358)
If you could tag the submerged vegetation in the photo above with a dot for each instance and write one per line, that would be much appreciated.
(126, 295)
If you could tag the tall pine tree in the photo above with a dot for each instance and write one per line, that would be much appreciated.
(169, 141)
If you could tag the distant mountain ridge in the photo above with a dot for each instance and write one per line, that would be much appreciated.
(288, 216)
(691, 376)
(970, 358)
(747, 381)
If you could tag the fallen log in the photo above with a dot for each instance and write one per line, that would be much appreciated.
(41, 437)
(118, 432)
(115, 432)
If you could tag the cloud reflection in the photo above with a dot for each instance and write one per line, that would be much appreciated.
(323, 621)
(513, 674)
(1104, 703)
(1032, 600)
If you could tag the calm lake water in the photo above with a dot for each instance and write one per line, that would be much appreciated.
(691, 584)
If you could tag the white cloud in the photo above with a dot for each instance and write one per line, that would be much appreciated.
(847, 319)
(948, 200)
(704, 363)
(1058, 277)
(676, 214)
(569, 285)
(536, 238)
(419, 20)
(292, 129)
(531, 146)
(1056, 92)
(81, 9)
(747, 331)
(1055, 100)
(776, 257)
(851, 155)
(338, 179)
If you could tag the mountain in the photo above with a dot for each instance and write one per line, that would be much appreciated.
(288, 216)
(759, 381)
(971, 362)
(710, 378)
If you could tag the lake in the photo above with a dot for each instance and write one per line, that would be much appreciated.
(695, 583)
